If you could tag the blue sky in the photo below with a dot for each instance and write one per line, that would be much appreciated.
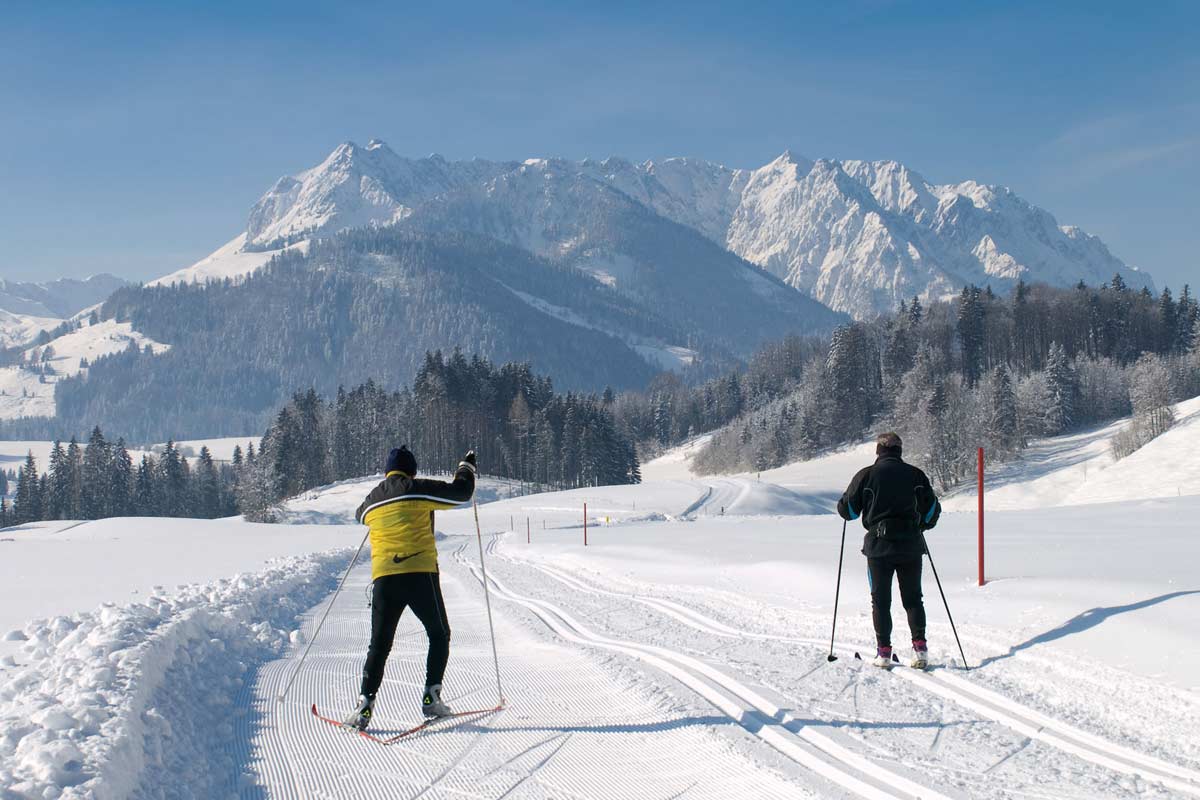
(134, 137)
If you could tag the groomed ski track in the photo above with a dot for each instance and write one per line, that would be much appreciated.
(574, 727)
(938, 681)
(620, 694)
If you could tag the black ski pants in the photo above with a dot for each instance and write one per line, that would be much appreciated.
(390, 595)
(907, 569)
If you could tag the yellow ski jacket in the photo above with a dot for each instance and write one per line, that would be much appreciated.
(399, 512)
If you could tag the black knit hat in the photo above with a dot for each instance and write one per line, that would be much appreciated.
(401, 459)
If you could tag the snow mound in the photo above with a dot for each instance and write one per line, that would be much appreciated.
(88, 715)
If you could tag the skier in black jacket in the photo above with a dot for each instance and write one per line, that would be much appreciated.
(896, 504)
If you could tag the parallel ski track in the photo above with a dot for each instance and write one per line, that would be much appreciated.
(985, 702)
(552, 742)
(758, 715)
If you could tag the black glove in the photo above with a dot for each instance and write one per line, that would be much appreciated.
(470, 457)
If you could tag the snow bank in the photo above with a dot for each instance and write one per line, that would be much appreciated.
(88, 715)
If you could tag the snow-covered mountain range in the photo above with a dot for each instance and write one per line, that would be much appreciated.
(700, 262)
(859, 236)
(27, 309)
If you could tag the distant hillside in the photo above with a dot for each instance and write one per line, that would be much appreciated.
(367, 305)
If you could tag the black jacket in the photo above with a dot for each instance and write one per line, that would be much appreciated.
(895, 502)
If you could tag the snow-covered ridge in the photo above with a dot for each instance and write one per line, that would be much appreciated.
(857, 235)
(230, 261)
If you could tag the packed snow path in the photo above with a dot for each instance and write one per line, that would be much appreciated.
(618, 693)
(574, 726)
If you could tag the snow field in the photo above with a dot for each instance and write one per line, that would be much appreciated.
(682, 653)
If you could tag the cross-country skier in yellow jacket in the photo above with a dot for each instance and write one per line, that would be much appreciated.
(404, 571)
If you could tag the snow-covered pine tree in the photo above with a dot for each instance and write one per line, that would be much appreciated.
(1060, 378)
(1001, 430)
(58, 496)
(121, 482)
(73, 508)
(208, 486)
(146, 494)
(95, 472)
(27, 505)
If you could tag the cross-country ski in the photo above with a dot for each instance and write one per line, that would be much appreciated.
(405, 732)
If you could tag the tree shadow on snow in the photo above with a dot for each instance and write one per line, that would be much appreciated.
(1085, 621)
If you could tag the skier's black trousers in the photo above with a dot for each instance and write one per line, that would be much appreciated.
(390, 595)
(907, 569)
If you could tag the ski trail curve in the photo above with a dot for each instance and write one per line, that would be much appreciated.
(984, 702)
(785, 732)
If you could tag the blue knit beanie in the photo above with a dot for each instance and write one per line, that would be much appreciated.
(401, 459)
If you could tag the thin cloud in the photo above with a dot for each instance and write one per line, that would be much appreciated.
(1117, 160)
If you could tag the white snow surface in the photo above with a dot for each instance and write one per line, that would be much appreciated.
(21, 329)
(24, 393)
(230, 261)
(681, 652)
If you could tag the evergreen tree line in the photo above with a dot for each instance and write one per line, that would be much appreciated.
(978, 371)
(518, 426)
(100, 480)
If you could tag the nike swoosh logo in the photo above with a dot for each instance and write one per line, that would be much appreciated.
(398, 559)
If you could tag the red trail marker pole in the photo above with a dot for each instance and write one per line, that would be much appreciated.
(585, 524)
(981, 578)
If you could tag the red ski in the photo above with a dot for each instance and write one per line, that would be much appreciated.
(403, 734)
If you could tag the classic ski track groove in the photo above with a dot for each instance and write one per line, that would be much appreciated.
(728, 695)
(290, 754)
(985, 702)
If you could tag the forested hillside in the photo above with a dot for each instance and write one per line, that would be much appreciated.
(367, 304)
(983, 370)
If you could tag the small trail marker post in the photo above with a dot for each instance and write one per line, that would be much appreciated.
(585, 524)
(981, 578)
(527, 537)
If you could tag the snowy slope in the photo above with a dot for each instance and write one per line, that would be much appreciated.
(21, 329)
(231, 261)
(1079, 469)
(24, 393)
(1073, 469)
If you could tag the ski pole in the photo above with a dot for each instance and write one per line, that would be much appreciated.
(488, 603)
(324, 616)
(837, 592)
(947, 605)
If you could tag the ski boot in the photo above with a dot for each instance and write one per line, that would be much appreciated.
(431, 703)
(361, 717)
(883, 658)
(920, 659)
